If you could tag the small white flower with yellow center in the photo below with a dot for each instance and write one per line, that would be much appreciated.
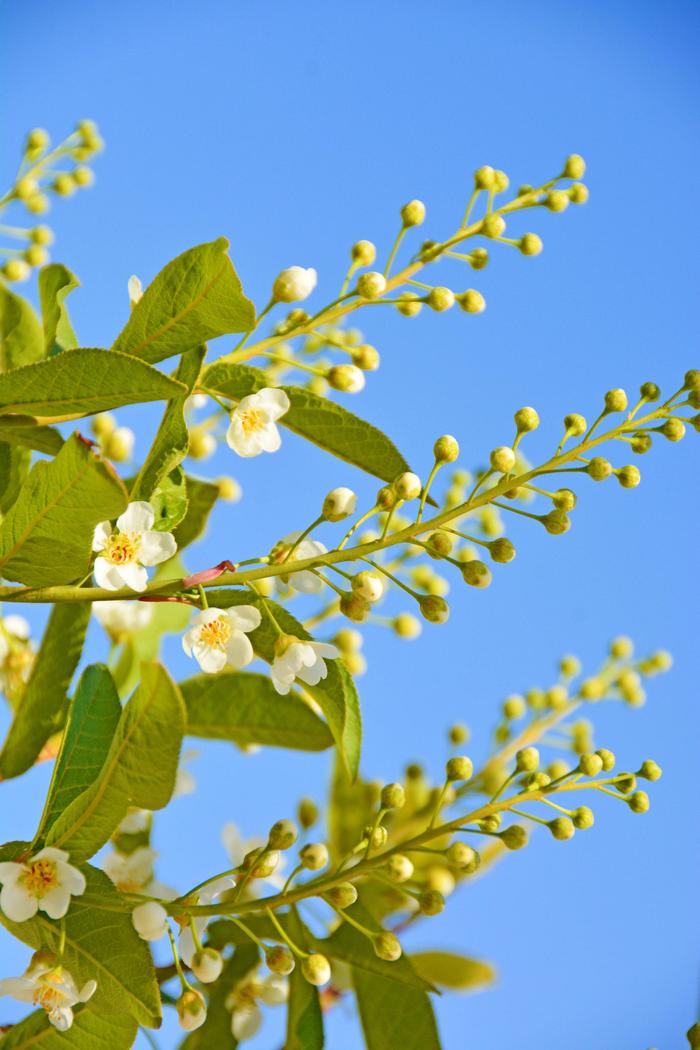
(294, 284)
(297, 659)
(242, 1001)
(218, 637)
(130, 872)
(123, 554)
(306, 582)
(44, 882)
(122, 618)
(253, 423)
(47, 984)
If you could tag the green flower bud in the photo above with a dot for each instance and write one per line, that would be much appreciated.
(83, 176)
(578, 193)
(476, 574)
(64, 184)
(502, 550)
(535, 699)
(502, 459)
(411, 304)
(626, 783)
(393, 796)
(583, 818)
(557, 200)
(363, 253)
(37, 141)
(41, 235)
(514, 707)
(459, 768)
(462, 856)
(649, 770)
(530, 244)
(590, 765)
(207, 965)
(307, 813)
(342, 896)
(650, 391)
(229, 489)
(261, 864)
(471, 301)
(282, 835)
(346, 378)
(527, 760)
(607, 758)
(491, 823)
(413, 213)
(35, 255)
(15, 270)
(434, 609)
(407, 486)
(103, 424)
(673, 429)
(493, 225)
(399, 868)
(616, 400)
(570, 666)
(440, 544)
(575, 424)
(526, 419)
(386, 946)
(377, 836)
(314, 856)
(440, 299)
(387, 498)
(599, 468)
(561, 828)
(478, 259)
(629, 477)
(694, 398)
(641, 443)
(446, 449)
(191, 1010)
(431, 903)
(537, 781)
(557, 697)
(279, 959)
(574, 167)
(406, 626)
(38, 204)
(485, 178)
(371, 285)
(692, 379)
(316, 969)
(366, 357)
(638, 802)
(556, 522)
(514, 837)
(564, 499)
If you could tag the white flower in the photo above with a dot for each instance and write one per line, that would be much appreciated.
(16, 655)
(150, 920)
(135, 289)
(218, 637)
(130, 872)
(306, 581)
(135, 821)
(195, 401)
(303, 660)
(339, 503)
(294, 284)
(124, 553)
(44, 882)
(207, 895)
(252, 429)
(120, 618)
(47, 984)
(245, 1022)
(242, 1000)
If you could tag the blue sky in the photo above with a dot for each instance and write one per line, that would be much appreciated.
(294, 130)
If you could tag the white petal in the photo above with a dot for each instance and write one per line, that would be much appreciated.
(132, 575)
(138, 517)
(245, 1023)
(189, 639)
(210, 660)
(275, 401)
(313, 675)
(269, 438)
(281, 679)
(156, 547)
(306, 582)
(100, 536)
(106, 575)
(52, 853)
(241, 443)
(244, 617)
(16, 904)
(21, 988)
(329, 652)
(239, 651)
(87, 991)
(61, 1018)
(16, 625)
(275, 990)
(71, 878)
(56, 902)
(186, 947)
(10, 871)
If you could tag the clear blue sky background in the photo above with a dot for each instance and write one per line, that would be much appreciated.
(294, 130)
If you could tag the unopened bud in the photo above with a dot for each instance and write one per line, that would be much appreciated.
(342, 896)
(527, 760)
(407, 486)
(316, 969)
(393, 796)
(673, 430)
(514, 837)
(616, 400)
(574, 166)
(575, 424)
(476, 574)
(386, 946)
(583, 818)
(340, 503)
(294, 284)
(599, 468)
(556, 522)
(282, 835)
(459, 768)
(363, 253)
(347, 378)
(502, 459)
(406, 625)
(578, 193)
(493, 225)
(485, 178)
(314, 856)
(354, 606)
(366, 357)
(562, 828)
(207, 965)
(557, 200)
(638, 802)
(526, 419)
(629, 476)
(279, 959)
(410, 305)
(446, 449)
(191, 1010)
(440, 299)
(530, 244)
(413, 213)
(471, 301)
(307, 813)
(368, 585)
(649, 770)
(371, 285)
(431, 903)
(590, 765)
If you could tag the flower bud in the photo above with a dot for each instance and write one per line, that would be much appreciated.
(282, 835)
(564, 499)
(570, 666)
(691, 380)
(229, 489)
(440, 544)
(386, 946)
(460, 855)
(41, 235)
(120, 444)
(413, 213)
(37, 141)
(471, 301)
(341, 896)
(446, 449)
(649, 770)
(191, 1010)
(459, 768)
(64, 184)
(434, 609)
(673, 429)
(514, 837)
(440, 299)
(458, 734)
(102, 425)
(493, 225)
(294, 284)
(316, 969)
(502, 550)
(399, 868)
(575, 424)
(431, 903)
(607, 758)
(502, 459)
(513, 707)
(527, 760)
(363, 253)
(35, 255)
(407, 486)
(392, 796)
(207, 965)
(557, 200)
(38, 204)
(150, 920)
(366, 357)
(556, 523)
(307, 813)
(83, 176)
(478, 260)
(340, 503)
(406, 625)
(347, 378)
(16, 270)
(279, 959)
(476, 574)
(629, 476)
(371, 285)
(590, 765)
(354, 606)
(314, 856)
(526, 419)
(616, 400)
(641, 443)
(368, 585)
(411, 304)
(638, 802)
(485, 178)
(599, 468)
(574, 167)
(261, 863)
(592, 688)
(561, 828)
(583, 818)
(578, 193)
(530, 244)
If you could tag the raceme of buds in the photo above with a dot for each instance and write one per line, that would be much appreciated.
(294, 284)
(340, 503)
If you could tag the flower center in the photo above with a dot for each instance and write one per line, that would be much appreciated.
(48, 994)
(39, 877)
(122, 548)
(252, 420)
(216, 633)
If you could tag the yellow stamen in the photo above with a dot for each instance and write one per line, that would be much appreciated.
(217, 633)
(39, 877)
(122, 548)
(252, 420)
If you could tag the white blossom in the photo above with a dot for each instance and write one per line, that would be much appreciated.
(44, 882)
(303, 660)
(253, 429)
(242, 1001)
(339, 503)
(124, 553)
(206, 895)
(122, 617)
(294, 284)
(219, 636)
(130, 872)
(150, 920)
(16, 655)
(305, 581)
(135, 289)
(47, 984)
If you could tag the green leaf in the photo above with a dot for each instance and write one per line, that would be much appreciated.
(55, 283)
(172, 439)
(325, 423)
(351, 807)
(196, 297)
(350, 946)
(169, 501)
(139, 770)
(216, 1030)
(80, 382)
(304, 1017)
(244, 708)
(21, 338)
(46, 537)
(394, 1015)
(25, 432)
(201, 499)
(42, 707)
(101, 945)
(336, 694)
(89, 1031)
(93, 717)
(14, 467)
(448, 970)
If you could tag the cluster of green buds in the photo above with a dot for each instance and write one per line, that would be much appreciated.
(44, 171)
